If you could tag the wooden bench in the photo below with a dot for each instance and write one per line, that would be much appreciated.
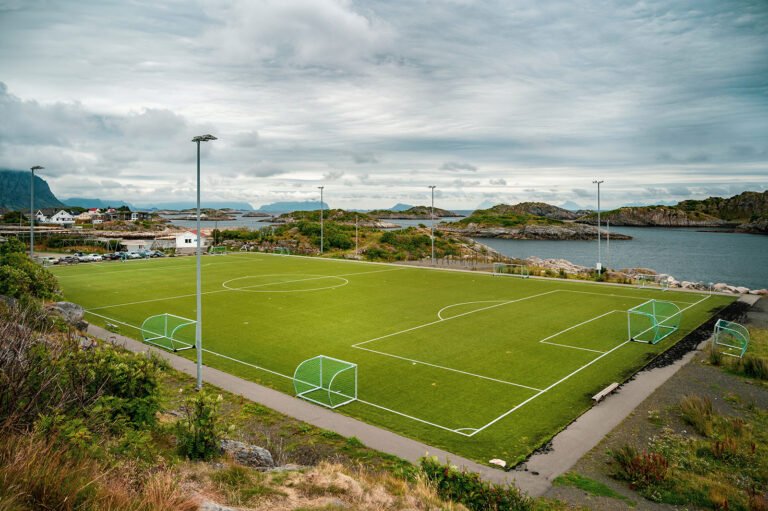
(603, 393)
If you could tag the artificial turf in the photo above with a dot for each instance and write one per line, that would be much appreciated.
(454, 359)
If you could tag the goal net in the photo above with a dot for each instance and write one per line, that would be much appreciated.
(326, 381)
(220, 250)
(732, 338)
(281, 251)
(644, 280)
(169, 331)
(652, 321)
(516, 270)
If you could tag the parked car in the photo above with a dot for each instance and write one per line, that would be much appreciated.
(134, 255)
(156, 253)
(69, 260)
(93, 257)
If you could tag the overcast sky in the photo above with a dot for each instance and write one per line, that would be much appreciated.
(492, 101)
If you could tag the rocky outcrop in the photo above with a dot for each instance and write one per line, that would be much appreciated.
(759, 226)
(741, 208)
(414, 213)
(565, 231)
(247, 454)
(541, 209)
(654, 216)
(71, 313)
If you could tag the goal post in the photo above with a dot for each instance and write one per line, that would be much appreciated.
(169, 331)
(326, 381)
(652, 321)
(281, 251)
(218, 250)
(732, 338)
(652, 281)
(515, 270)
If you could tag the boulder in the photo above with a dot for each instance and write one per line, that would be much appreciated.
(688, 285)
(742, 290)
(70, 312)
(247, 454)
(762, 292)
(720, 287)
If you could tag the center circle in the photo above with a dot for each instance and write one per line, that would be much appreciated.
(268, 283)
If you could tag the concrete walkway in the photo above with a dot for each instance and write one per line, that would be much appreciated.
(567, 447)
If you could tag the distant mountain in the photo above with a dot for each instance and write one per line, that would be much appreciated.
(86, 202)
(400, 207)
(287, 207)
(571, 206)
(239, 206)
(14, 191)
(486, 204)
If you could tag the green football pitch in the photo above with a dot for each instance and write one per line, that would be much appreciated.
(483, 366)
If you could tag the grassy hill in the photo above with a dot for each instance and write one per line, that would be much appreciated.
(14, 191)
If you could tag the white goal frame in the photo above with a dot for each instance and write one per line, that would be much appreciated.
(218, 250)
(498, 269)
(151, 337)
(320, 385)
(725, 329)
(651, 281)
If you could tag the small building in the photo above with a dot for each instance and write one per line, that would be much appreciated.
(186, 242)
(136, 245)
(62, 218)
(140, 216)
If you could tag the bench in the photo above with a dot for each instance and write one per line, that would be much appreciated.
(603, 393)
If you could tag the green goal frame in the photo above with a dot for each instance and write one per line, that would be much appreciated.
(218, 250)
(164, 331)
(652, 321)
(512, 270)
(650, 281)
(281, 251)
(732, 338)
(326, 381)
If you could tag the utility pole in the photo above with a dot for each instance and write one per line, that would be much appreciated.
(32, 211)
(357, 241)
(432, 223)
(599, 248)
(199, 294)
(321, 219)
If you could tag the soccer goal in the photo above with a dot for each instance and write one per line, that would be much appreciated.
(652, 321)
(732, 338)
(169, 331)
(515, 270)
(281, 251)
(220, 250)
(644, 280)
(326, 381)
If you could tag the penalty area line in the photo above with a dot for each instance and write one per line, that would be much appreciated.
(546, 339)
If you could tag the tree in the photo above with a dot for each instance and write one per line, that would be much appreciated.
(15, 217)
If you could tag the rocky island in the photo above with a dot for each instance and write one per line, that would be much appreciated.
(414, 213)
(525, 221)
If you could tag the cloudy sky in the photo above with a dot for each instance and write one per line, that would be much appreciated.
(492, 101)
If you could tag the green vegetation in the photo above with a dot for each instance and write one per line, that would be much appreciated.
(724, 467)
(590, 486)
(505, 216)
(754, 363)
(456, 372)
(468, 489)
(20, 277)
(200, 430)
(15, 218)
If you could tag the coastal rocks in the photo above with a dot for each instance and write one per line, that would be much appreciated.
(656, 216)
(757, 227)
(70, 312)
(567, 231)
(247, 454)
(557, 265)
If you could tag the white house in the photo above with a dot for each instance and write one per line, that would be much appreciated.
(187, 241)
(62, 218)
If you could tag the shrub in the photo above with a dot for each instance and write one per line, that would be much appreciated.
(641, 470)
(754, 366)
(199, 432)
(697, 411)
(468, 489)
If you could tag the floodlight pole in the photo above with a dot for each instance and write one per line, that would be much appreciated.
(199, 318)
(432, 223)
(321, 218)
(599, 249)
(32, 211)
(357, 241)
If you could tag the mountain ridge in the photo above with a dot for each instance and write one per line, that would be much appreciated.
(15, 190)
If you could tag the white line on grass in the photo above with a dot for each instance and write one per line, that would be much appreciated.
(546, 339)
(357, 345)
(458, 431)
(216, 291)
(440, 312)
(618, 296)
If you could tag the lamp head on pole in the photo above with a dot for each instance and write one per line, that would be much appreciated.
(204, 138)
(36, 167)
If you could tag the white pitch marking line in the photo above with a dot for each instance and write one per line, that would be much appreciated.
(217, 291)
(457, 431)
(316, 277)
(440, 312)
(449, 369)
(357, 345)
(546, 339)
(617, 296)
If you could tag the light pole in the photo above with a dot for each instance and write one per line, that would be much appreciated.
(321, 218)
(199, 318)
(599, 250)
(357, 240)
(32, 211)
(432, 223)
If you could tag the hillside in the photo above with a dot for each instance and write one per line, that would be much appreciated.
(517, 222)
(748, 212)
(412, 213)
(14, 191)
(283, 207)
(88, 202)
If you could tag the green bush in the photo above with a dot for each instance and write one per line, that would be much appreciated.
(199, 432)
(697, 411)
(641, 470)
(468, 489)
(20, 277)
(754, 366)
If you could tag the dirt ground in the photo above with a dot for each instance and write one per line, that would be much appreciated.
(697, 377)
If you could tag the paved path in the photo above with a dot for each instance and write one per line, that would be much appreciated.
(567, 447)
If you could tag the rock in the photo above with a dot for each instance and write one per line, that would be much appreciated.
(742, 290)
(247, 454)
(70, 312)
(720, 287)
(763, 292)
(212, 506)
(688, 285)
(288, 467)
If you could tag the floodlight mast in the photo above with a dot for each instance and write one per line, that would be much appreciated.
(32, 211)
(321, 218)
(599, 249)
(432, 223)
(199, 318)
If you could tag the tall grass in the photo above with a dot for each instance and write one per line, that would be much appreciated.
(697, 411)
